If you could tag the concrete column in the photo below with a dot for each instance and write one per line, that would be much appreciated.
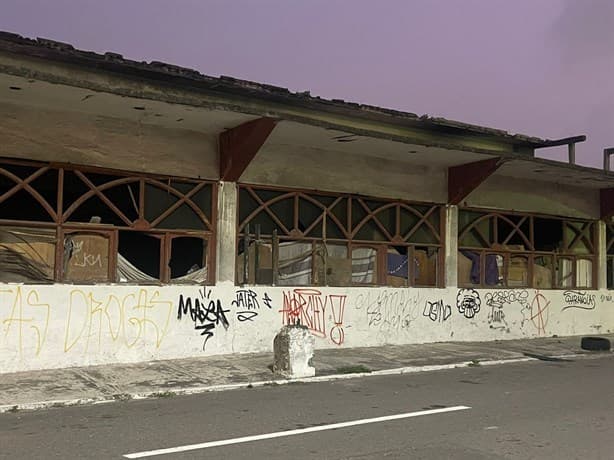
(451, 251)
(226, 252)
(602, 249)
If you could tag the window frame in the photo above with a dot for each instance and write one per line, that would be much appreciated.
(588, 230)
(60, 214)
(345, 226)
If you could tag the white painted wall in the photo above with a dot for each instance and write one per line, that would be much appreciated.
(54, 326)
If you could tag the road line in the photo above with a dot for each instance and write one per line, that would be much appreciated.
(281, 434)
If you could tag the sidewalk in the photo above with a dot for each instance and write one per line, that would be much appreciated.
(86, 385)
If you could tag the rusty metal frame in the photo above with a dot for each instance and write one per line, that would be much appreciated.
(584, 231)
(347, 229)
(24, 184)
(60, 215)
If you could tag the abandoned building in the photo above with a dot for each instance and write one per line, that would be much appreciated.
(148, 211)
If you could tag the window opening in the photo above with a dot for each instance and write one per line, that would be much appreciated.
(522, 250)
(315, 239)
(188, 259)
(138, 258)
(113, 226)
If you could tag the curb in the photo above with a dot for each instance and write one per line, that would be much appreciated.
(181, 391)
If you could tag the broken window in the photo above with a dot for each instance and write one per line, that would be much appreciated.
(112, 226)
(521, 250)
(317, 239)
(188, 259)
(139, 257)
(27, 254)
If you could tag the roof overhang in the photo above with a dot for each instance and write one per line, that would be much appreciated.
(313, 136)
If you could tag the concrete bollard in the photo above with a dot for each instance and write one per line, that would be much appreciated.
(293, 348)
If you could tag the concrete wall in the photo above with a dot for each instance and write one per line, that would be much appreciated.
(131, 145)
(517, 194)
(51, 326)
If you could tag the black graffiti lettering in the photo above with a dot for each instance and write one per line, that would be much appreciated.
(267, 300)
(207, 331)
(246, 315)
(437, 311)
(579, 299)
(206, 313)
(246, 298)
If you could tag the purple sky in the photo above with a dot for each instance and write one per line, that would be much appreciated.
(539, 67)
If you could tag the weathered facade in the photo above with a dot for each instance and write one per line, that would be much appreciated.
(151, 212)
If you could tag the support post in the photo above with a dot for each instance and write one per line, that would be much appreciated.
(451, 248)
(226, 235)
(607, 154)
(602, 257)
(571, 153)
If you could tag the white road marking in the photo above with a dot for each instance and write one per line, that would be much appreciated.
(281, 434)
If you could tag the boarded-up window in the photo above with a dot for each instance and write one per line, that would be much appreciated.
(86, 257)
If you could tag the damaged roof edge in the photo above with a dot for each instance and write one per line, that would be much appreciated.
(112, 62)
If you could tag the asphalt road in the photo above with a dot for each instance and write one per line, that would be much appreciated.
(539, 410)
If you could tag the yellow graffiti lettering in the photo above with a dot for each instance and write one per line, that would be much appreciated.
(25, 310)
(69, 322)
(33, 300)
(88, 319)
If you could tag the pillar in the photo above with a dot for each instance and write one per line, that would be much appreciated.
(226, 249)
(451, 250)
(602, 276)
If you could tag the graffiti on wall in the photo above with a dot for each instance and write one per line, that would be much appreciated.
(92, 319)
(437, 311)
(247, 304)
(580, 300)
(27, 319)
(126, 318)
(468, 302)
(390, 309)
(533, 308)
(497, 302)
(205, 311)
(308, 307)
(540, 312)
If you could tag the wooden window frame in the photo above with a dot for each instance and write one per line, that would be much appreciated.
(349, 229)
(60, 214)
(586, 233)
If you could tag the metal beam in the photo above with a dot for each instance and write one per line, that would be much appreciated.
(464, 179)
(557, 142)
(606, 202)
(239, 145)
